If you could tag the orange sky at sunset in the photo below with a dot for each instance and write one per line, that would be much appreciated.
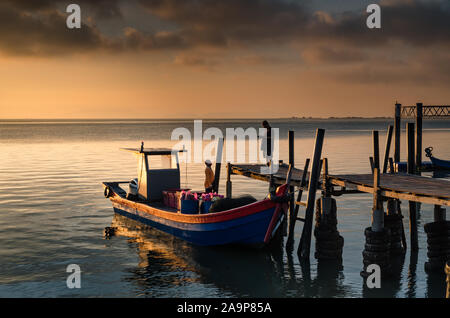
(251, 73)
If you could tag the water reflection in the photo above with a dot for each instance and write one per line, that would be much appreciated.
(166, 262)
(391, 283)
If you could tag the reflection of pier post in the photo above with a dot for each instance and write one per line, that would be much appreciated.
(412, 205)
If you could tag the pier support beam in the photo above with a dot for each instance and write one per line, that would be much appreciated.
(291, 188)
(438, 238)
(304, 247)
(376, 249)
(329, 243)
(387, 148)
(228, 186)
(397, 132)
(419, 115)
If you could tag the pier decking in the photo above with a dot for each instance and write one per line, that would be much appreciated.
(396, 186)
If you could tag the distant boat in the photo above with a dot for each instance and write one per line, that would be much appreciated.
(445, 164)
(253, 224)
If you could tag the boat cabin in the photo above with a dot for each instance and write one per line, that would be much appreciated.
(158, 171)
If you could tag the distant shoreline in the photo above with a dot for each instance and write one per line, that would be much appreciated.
(189, 119)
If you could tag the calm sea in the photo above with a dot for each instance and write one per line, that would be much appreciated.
(53, 213)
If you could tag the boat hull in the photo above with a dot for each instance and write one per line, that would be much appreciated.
(249, 230)
(440, 163)
(248, 225)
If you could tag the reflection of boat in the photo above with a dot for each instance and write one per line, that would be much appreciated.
(167, 264)
(444, 164)
(253, 224)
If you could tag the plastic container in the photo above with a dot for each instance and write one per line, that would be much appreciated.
(189, 206)
(206, 205)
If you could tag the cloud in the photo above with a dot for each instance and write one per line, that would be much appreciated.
(38, 28)
(333, 55)
(102, 9)
(22, 33)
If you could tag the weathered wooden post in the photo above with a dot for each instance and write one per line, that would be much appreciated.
(412, 205)
(218, 165)
(305, 241)
(294, 217)
(377, 211)
(329, 243)
(376, 249)
(438, 239)
(419, 115)
(228, 189)
(397, 132)
(439, 214)
(376, 149)
(291, 188)
(387, 148)
(393, 218)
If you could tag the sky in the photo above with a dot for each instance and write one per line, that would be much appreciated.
(221, 59)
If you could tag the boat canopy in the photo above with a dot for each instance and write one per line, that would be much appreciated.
(152, 180)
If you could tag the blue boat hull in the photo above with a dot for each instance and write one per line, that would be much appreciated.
(440, 163)
(249, 230)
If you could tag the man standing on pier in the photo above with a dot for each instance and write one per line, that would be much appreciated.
(209, 176)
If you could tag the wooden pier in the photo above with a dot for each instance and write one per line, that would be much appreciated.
(385, 236)
(396, 186)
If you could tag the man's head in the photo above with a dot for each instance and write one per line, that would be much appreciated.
(208, 163)
(265, 124)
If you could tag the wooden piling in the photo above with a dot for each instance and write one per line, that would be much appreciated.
(218, 165)
(294, 216)
(228, 186)
(397, 131)
(412, 205)
(377, 211)
(419, 115)
(387, 148)
(376, 149)
(305, 241)
(391, 166)
(371, 163)
(439, 213)
(291, 188)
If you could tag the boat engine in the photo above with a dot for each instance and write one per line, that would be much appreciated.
(132, 193)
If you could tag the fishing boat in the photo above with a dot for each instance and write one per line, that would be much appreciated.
(253, 224)
(444, 164)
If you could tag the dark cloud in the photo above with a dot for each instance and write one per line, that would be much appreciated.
(221, 23)
(22, 33)
(38, 27)
(102, 9)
